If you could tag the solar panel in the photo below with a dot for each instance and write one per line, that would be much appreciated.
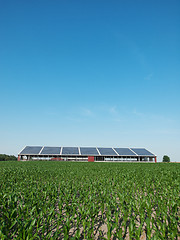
(88, 151)
(142, 152)
(31, 150)
(124, 152)
(70, 151)
(107, 151)
(50, 150)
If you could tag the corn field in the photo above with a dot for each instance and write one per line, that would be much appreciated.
(74, 200)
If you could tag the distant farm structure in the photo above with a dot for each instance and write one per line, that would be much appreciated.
(86, 154)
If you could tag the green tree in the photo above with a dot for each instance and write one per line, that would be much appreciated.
(4, 157)
(166, 158)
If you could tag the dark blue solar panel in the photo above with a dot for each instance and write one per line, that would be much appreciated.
(88, 151)
(51, 150)
(107, 151)
(70, 151)
(31, 150)
(124, 152)
(34, 150)
(142, 152)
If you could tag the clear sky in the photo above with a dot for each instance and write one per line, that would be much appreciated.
(90, 73)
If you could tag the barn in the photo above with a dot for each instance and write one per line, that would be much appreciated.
(87, 154)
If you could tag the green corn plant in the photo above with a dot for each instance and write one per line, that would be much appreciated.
(38, 197)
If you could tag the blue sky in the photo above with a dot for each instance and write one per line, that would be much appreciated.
(90, 73)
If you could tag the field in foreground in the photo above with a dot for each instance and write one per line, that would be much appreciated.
(66, 200)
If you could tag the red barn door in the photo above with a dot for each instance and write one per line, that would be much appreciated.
(90, 158)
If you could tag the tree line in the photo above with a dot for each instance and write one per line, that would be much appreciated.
(4, 157)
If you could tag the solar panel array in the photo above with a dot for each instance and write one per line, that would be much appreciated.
(85, 151)
(70, 151)
(142, 152)
(107, 152)
(31, 150)
(50, 150)
(124, 152)
(89, 151)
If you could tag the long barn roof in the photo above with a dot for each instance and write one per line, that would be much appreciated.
(85, 151)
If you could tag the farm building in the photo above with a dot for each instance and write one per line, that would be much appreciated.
(89, 154)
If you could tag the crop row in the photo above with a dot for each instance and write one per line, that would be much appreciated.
(63, 200)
